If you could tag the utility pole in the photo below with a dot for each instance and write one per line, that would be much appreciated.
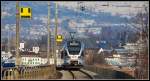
(56, 25)
(8, 39)
(48, 36)
(8, 44)
(17, 33)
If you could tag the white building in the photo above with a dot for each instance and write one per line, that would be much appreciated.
(134, 47)
(36, 61)
(35, 49)
(33, 59)
(5, 55)
(30, 61)
(21, 46)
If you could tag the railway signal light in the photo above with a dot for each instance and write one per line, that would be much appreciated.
(25, 12)
(59, 38)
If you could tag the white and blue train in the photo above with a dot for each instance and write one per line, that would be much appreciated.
(8, 63)
(73, 54)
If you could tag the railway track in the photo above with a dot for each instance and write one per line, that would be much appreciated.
(72, 74)
(80, 74)
(87, 74)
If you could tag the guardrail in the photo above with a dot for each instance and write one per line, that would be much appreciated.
(21, 73)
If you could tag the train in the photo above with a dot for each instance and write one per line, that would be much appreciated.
(73, 54)
(8, 63)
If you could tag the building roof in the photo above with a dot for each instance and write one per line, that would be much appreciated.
(121, 51)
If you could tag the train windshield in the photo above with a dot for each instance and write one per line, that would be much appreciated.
(74, 47)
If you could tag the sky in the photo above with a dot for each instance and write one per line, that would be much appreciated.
(96, 13)
(115, 7)
(120, 7)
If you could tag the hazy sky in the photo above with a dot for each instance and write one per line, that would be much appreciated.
(115, 7)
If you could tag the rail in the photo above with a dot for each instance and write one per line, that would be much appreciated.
(86, 74)
(74, 75)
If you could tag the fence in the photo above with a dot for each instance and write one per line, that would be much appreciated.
(37, 72)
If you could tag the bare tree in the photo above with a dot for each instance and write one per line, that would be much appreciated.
(142, 58)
